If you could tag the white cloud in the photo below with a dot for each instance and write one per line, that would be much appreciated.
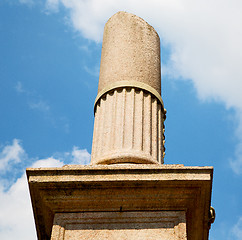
(91, 26)
(11, 154)
(16, 217)
(48, 162)
(237, 230)
(80, 156)
(205, 39)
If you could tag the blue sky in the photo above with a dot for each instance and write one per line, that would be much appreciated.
(49, 64)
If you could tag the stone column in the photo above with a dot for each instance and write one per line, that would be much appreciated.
(129, 112)
(125, 201)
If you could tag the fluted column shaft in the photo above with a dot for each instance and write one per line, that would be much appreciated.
(128, 128)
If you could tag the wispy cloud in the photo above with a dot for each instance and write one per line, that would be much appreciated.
(237, 230)
(36, 103)
(236, 162)
(19, 87)
(52, 5)
(40, 105)
(34, 100)
(15, 201)
(11, 154)
(92, 71)
(28, 2)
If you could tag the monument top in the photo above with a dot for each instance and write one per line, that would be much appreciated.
(129, 111)
(130, 52)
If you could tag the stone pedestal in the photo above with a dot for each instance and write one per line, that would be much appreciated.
(121, 202)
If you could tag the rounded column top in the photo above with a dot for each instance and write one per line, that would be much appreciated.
(130, 52)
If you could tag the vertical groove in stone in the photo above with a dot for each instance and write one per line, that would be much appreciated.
(101, 126)
(155, 130)
(160, 157)
(128, 120)
(147, 124)
(142, 117)
(133, 113)
(151, 125)
(112, 135)
(107, 123)
(124, 107)
(95, 133)
(138, 120)
(116, 122)
(119, 120)
(162, 137)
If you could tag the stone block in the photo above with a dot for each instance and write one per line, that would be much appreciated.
(139, 225)
(111, 191)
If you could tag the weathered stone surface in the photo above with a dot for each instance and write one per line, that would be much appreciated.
(128, 128)
(130, 51)
(163, 225)
(126, 188)
(129, 113)
(116, 200)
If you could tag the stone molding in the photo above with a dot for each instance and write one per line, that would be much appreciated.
(128, 128)
(139, 225)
